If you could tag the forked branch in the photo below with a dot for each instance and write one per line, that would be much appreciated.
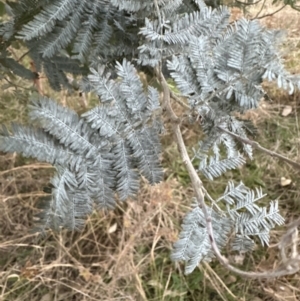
(256, 145)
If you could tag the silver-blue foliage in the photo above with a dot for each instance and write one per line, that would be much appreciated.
(99, 156)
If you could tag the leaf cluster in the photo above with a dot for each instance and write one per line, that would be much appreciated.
(100, 155)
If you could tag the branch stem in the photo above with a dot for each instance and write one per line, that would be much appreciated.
(256, 145)
(200, 192)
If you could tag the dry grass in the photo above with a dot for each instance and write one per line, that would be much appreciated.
(110, 258)
(124, 255)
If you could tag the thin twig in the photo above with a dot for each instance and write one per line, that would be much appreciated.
(15, 85)
(23, 55)
(260, 10)
(248, 4)
(166, 91)
(30, 166)
(177, 99)
(270, 14)
(259, 147)
(158, 13)
(22, 195)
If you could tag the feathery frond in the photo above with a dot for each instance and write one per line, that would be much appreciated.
(98, 155)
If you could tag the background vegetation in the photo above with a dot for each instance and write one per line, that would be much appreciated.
(124, 255)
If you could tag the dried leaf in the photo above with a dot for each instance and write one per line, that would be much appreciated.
(155, 283)
(231, 279)
(96, 278)
(287, 110)
(285, 182)
(112, 228)
(126, 222)
(174, 294)
(15, 276)
(85, 274)
(28, 271)
(239, 258)
(47, 297)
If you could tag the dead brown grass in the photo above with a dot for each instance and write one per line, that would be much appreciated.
(107, 260)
